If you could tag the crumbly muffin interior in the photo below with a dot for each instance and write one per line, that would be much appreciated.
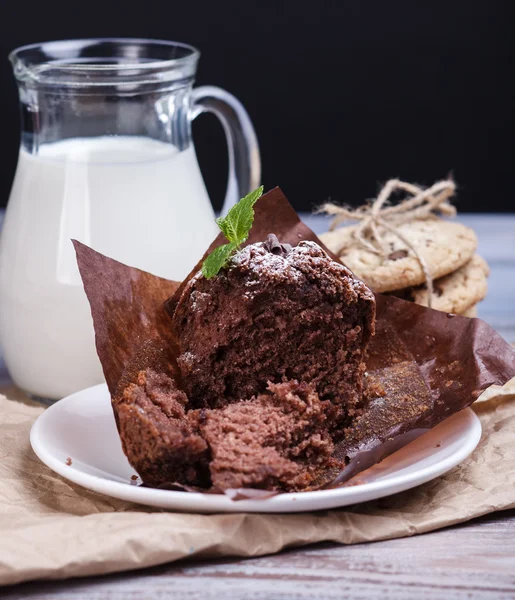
(268, 317)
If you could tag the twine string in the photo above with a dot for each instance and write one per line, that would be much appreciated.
(375, 218)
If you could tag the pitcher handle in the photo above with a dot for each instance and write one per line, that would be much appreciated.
(242, 144)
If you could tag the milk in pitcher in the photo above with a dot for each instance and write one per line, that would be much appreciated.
(132, 198)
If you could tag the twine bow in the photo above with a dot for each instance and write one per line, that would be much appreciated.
(380, 215)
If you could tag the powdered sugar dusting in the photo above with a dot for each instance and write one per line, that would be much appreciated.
(258, 266)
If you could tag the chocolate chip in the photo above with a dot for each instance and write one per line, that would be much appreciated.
(437, 290)
(69, 462)
(273, 245)
(397, 254)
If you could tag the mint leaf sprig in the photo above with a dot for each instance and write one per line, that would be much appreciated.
(235, 226)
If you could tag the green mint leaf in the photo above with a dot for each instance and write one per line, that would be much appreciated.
(217, 259)
(236, 227)
(225, 228)
(238, 222)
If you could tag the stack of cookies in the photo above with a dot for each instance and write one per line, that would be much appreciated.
(448, 249)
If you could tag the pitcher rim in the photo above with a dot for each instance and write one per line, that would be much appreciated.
(67, 60)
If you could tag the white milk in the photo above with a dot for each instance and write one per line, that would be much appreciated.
(134, 199)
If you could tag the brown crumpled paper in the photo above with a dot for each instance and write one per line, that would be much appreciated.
(52, 529)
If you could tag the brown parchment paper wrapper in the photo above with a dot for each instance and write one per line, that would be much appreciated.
(53, 529)
(431, 364)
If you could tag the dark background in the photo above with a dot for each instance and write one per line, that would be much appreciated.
(343, 94)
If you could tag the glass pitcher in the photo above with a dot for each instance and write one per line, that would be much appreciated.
(107, 158)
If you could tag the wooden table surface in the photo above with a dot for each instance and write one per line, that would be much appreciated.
(475, 560)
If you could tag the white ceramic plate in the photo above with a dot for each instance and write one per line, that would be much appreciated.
(82, 428)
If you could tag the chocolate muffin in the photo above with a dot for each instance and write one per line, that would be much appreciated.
(275, 313)
(265, 371)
